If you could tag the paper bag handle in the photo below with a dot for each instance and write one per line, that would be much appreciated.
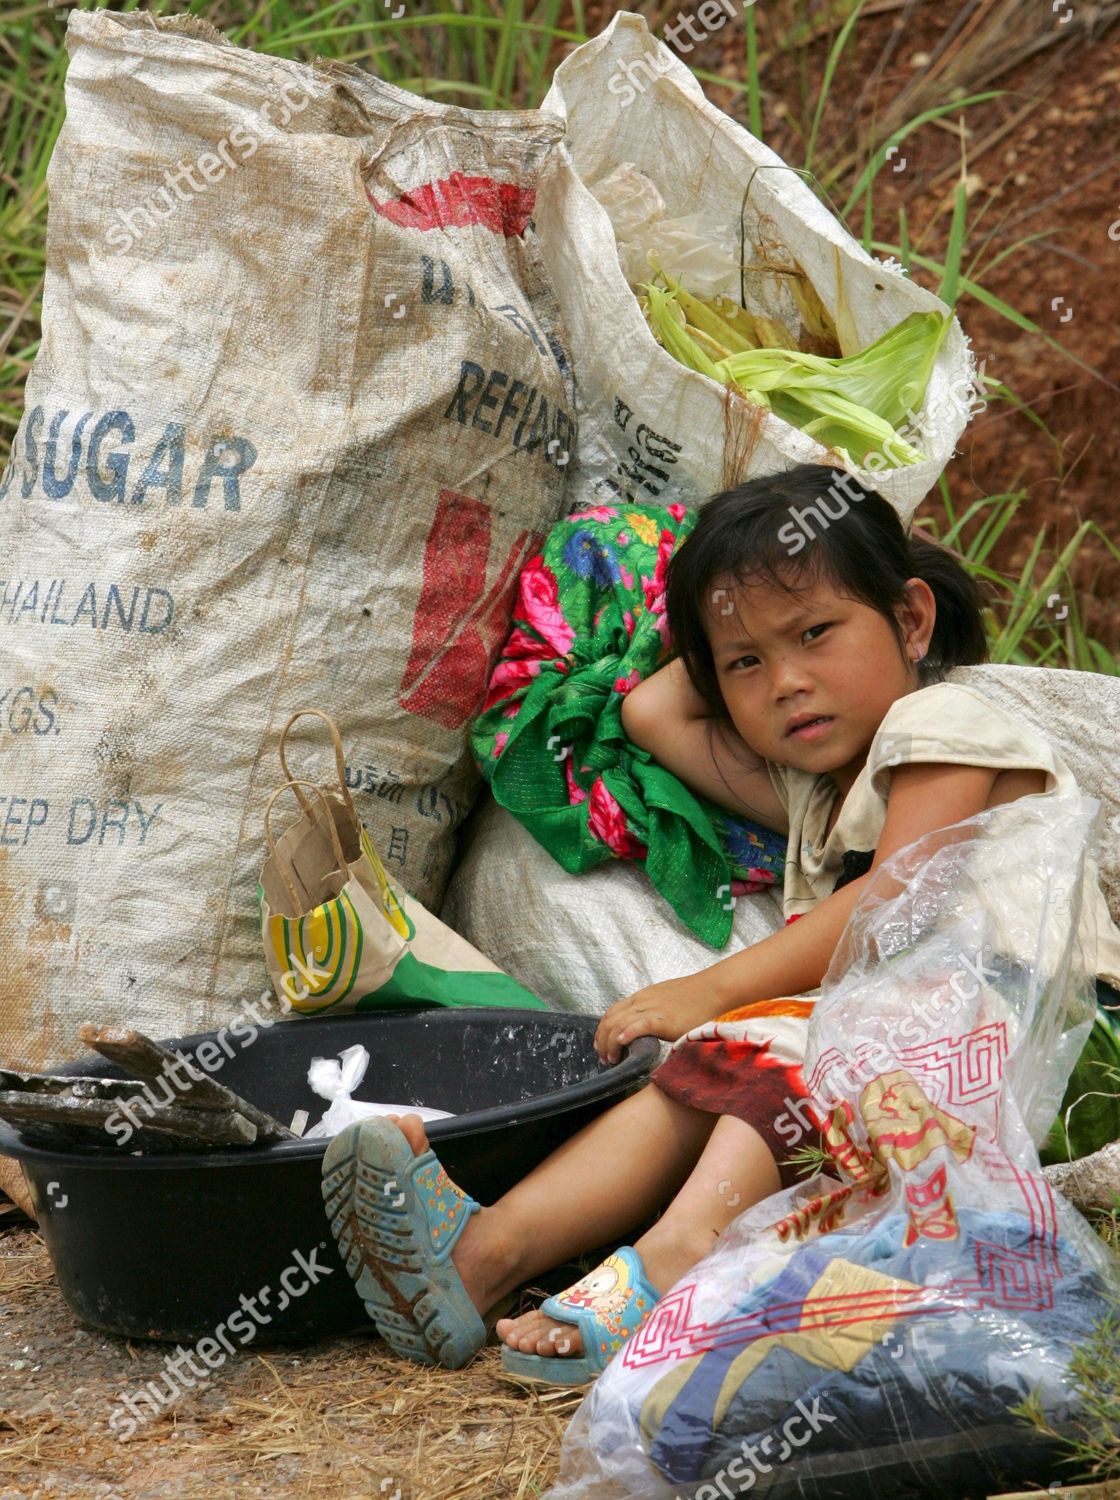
(339, 757)
(336, 842)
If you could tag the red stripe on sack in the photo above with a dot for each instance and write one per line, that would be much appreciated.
(460, 622)
(451, 202)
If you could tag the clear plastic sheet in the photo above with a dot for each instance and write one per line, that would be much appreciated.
(866, 1332)
(695, 246)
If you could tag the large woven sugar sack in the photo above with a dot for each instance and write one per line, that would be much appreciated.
(300, 415)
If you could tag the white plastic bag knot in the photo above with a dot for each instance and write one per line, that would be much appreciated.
(336, 1079)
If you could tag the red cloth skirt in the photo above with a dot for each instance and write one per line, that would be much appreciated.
(748, 1063)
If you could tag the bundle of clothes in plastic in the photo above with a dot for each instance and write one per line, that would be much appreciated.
(872, 1330)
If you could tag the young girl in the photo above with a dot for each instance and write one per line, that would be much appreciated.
(807, 694)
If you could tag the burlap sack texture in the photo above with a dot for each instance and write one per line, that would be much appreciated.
(301, 413)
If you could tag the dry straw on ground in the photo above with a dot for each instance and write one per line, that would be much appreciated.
(334, 1421)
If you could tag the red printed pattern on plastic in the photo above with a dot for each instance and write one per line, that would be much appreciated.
(1020, 1280)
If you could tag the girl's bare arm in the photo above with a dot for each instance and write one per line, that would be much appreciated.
(667, 716)
(923, 799)
(669, 690)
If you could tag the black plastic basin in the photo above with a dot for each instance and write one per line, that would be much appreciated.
(165, 1246)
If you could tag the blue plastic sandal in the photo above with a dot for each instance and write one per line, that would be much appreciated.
(606, 1306)
(396, 1218)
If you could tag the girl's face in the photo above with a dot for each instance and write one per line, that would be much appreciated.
(782, 659)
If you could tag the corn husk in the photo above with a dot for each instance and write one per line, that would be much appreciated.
(725, 323)
(815, 320)
(662, 311)
(702, 316)
(888, 378)
(852, 403)
(707, 343)
(732, 316)
(774, 335)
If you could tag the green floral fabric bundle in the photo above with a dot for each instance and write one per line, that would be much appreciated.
(588, 626)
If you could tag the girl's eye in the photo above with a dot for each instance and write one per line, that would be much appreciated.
(739, 660)
(808, 629)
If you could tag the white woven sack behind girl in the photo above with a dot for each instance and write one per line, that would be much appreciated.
(581, 942)
(652, 430)
(1079, 713)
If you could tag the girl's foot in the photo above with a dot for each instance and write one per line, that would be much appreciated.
(487, 1267)
(665, 1261)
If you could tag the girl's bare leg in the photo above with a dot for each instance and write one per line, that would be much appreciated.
(607, 1178)
(736, 1170)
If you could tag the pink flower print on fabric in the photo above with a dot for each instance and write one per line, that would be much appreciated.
(576, 793)
(500, 742)
(522, 644)
(540, 605)
(625, 684)
(653, 589)
(507, 677)
(607, 821)
(665, 548)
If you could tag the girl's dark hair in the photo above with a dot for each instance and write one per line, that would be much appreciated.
(816, 524)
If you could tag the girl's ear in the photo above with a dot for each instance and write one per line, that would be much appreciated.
(917, 615)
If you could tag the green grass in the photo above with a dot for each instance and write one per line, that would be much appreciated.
(500, 54)
(1094, 1445)
(1022, 621)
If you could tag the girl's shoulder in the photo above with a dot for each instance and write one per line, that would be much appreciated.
(943, 688)
(957, 723)
(953, 705)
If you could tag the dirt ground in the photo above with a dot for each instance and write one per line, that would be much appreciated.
(339, 1420)
(342, 1419)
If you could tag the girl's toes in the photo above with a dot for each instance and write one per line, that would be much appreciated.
(561, 1339)
(534, 1333)
(520, 1333)
(412, 1128)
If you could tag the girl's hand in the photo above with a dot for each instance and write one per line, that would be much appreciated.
(665, 1010)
